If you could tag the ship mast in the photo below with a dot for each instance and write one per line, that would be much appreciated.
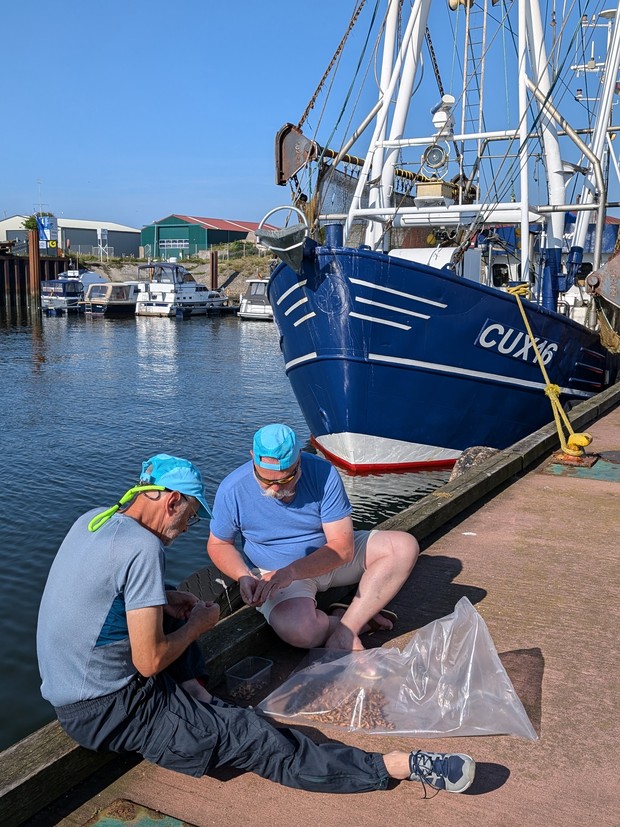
(599, 136)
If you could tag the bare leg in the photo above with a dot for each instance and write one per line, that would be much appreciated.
(390, 557)
(397, 765)
(298, 622)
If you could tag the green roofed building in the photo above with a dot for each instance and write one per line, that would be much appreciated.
(181, 236)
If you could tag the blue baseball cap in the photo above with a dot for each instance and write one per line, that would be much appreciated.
(176, 474)
(276, 442)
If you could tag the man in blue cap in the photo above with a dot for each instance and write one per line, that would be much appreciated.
(292, 511)
(105, 604)
(119, 662)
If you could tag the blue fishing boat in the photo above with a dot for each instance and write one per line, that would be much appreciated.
(429, 296)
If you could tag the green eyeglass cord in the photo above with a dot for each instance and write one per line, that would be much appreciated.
(102, 518)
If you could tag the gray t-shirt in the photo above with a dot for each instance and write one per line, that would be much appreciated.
(96, 577)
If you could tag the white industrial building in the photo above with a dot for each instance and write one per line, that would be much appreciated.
(82, 237)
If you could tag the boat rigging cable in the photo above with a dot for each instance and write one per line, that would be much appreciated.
(312, 207)
(339, 49)
(512, 170)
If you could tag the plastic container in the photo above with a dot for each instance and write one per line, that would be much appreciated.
(248, 677)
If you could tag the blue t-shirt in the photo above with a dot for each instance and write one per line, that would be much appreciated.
(96, 577)
(276, 533)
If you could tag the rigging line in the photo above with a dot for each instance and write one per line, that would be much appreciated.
(326, 100)
(538, 116)
(512, 168)
(339, 49)
(434, 63)
(326, 173)
(506, 26)
(503, 22)
(355, 74)
(506, 84)
(580, 55)
(440, 86)
(325, 177)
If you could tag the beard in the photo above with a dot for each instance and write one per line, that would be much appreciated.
(276, 495)
(283, 494)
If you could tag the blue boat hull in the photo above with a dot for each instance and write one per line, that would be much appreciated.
(398, 365)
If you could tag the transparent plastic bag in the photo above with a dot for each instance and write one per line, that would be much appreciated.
(449, 680)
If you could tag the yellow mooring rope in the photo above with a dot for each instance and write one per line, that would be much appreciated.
(576, 443)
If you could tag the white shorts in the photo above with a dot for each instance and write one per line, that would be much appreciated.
(346, 575)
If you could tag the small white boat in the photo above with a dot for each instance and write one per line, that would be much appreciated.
(61, 295)
(167, 289)
(65, 293)
(254, 303)
(111, 299)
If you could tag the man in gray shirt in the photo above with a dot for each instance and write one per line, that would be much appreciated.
(120, 665)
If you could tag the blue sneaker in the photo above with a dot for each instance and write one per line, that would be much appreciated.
(442, 771)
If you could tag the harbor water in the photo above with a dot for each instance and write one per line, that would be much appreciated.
(84, 402)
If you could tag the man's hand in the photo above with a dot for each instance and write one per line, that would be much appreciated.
(204, 616)
(180, 604)
(271, 582)
(248, 584)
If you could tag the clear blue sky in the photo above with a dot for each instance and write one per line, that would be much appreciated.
(129, 110)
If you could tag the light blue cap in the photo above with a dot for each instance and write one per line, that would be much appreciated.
(176, 474)
(276, 442)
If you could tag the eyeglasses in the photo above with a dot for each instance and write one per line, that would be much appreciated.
(195, 517)
(281, 481)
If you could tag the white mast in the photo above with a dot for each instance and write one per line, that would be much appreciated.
(523, 132)
(389, 46)
(413, 47)
(418, 13)
(610, 71)
(553, 162)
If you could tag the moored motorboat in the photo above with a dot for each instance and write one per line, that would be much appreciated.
(254, 304)
(61, 295)
(111, 299)
(65, 293)
(169, 289)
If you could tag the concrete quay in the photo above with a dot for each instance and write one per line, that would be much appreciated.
(533, 545)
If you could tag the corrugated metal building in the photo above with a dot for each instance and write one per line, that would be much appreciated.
(83, 237)
(186, 235)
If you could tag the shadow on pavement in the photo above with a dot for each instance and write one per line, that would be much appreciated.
(489, 777)
(525, 668)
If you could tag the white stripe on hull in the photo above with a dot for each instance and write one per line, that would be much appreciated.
(448, 369)
(477, 374)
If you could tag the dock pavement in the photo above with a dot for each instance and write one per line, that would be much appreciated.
(537, 555)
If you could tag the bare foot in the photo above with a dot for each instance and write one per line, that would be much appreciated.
(378, 623)
(344, 639)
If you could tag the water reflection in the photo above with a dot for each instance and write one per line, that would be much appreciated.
(385, 495)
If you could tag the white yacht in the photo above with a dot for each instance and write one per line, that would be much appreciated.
(61, 295)
(254, 304)
(167, 289)
(113, 298)
(65, 293)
